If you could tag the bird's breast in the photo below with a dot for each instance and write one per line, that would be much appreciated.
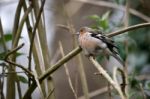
(89, 43)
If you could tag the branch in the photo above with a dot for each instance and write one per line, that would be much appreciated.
(123, 85)
(18, 32)
(115, 6)
(109, 79)
(74, 53)
(130, 28)
(38, 84)
(52, 69)
(97, 92)
(17, 17)
(67, 72)
(20, 66)
(34, 31)
(2, 36)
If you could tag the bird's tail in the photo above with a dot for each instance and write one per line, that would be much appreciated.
(116, 56)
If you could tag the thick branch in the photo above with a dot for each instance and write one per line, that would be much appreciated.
(52, 69)
(130, 28)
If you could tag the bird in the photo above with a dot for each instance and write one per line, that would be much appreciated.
(94, 42)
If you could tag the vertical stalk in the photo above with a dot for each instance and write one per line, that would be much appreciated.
(126, 49)
(43, 42)
(11, 90)
(3, 71)
(83, 77)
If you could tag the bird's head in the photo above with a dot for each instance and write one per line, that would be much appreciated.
(84, 30)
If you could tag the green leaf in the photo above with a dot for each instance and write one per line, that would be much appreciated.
(105, 16)
(147, 84)
(7, 37)
(104, 24)
(2, 55)
(22, 79)
(101, 22)
(94, 17)
(19, 54)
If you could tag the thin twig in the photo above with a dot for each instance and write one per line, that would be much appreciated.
(40, 47)
(13, 63)
(56, 56)
(80, 66)
(109, 79)
(67, 72)
(34, 31)
(2, 36)
(126, 16)
(83, 77)
(1, 90)
(130, 28)
(125, 67)
(38, 84)
(142, 90)
(63, 26)
(13, 51)
(115, 6)
(11, 72)
(97, 92)
(19, 88)
(29, 29)
(109, 91)
(143, 77)
(50, 93)
(5, 49)
(123, 85)
(15, 38)
(18, 33)
(17, 17)
(41, 40)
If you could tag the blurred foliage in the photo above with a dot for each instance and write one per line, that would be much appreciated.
(138, 45)
(2, 55)
(22, 79)
(100, 22)
(7, 37)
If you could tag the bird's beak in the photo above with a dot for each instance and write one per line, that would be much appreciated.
(76, 33)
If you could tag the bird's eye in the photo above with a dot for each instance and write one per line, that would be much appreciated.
(81, 30)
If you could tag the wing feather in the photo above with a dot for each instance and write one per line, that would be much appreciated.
(110, 43)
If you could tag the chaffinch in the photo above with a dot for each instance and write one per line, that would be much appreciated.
(94, 42)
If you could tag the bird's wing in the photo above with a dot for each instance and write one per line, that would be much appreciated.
(95, 32)
(110, 43)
